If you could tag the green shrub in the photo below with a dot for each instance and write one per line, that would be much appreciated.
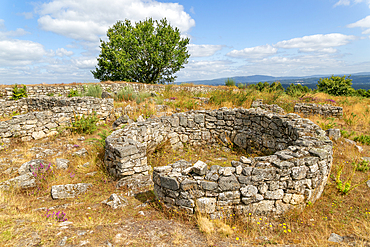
(242, 85)
(297, 90)
(128, 94)
(364, 139)
(336, 85)
(230, 82)
(50, 94)
(362, 166)
(103, 135)
(84, 124)
(19, 93)
(125, 94)
(94, 91)
(73, 93)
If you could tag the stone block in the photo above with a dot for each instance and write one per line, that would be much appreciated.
(228, 183)
(169, 183)
(206, 205)
(68, 190)
(199, 168)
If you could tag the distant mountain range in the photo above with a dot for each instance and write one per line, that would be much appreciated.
(359, 80)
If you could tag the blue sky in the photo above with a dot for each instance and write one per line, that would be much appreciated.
(57, 41)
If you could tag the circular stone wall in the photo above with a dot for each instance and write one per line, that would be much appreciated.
(294, 174)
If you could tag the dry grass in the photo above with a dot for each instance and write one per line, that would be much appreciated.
(344, 214)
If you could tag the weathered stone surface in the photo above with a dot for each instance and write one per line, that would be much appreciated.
(81, 152)
(207, 185)
(206, 205)
(33, 166)
(169, 183)
(116, 201)
(61, 163)
(188, 184)
(24, 181)
(200, 168)
(335, 238)
(249, 190)
(228, 183)
(69, 190)
(274, 195)
(333, 133)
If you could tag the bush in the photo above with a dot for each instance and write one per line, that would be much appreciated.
(19, 93)
(73, 93)
(242, 85)
(297, 90)
(128, 94)
(84, 124)
(230, 82)
(336, 85)
(364, 139)
(94, 91)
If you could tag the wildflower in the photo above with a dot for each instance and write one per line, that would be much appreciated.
(237, 238)
(258, 223)
(289, 230)
(285, 231)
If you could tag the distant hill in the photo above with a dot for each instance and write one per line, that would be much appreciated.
(359, 80)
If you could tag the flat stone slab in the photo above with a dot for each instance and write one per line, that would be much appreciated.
(68, 190)
(23, 182)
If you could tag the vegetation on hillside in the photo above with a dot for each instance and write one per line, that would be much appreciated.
(343, 207)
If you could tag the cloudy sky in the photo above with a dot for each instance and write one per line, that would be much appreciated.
(57, 41)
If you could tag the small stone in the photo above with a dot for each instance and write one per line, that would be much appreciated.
(227, 171)
(61, 163)
(245, 160)
(200, 168)
(238, 170)
(82, 152)
(335, 238)
(368, 183)
(87, 164)
(116, 201)
(63, 241)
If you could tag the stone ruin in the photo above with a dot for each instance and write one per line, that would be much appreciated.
(295, 172)
(316, 109)
(41, 117)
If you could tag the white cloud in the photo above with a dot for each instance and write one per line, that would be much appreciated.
(27, 15)
(316, 43)
(85, 62)
(60, 52)
(20, 52)
(363, 23)
(342, 2)
(254, 52)
(348, 2)
(203, 50)
(89, 19)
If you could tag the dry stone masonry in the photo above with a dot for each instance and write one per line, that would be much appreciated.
(45, 115)
(36, 91)
(271, 108)
(293, 175)
(317, 109)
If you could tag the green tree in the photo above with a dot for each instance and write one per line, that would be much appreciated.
(149, 52)
(336, 85)
(230, 82)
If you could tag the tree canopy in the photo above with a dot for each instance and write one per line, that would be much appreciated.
(150, 52)
(336, 85)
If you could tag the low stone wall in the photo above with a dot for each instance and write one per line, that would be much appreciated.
(35, 91)
(45, 115)
(295, 174)
(271, 108)
(317, 109)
